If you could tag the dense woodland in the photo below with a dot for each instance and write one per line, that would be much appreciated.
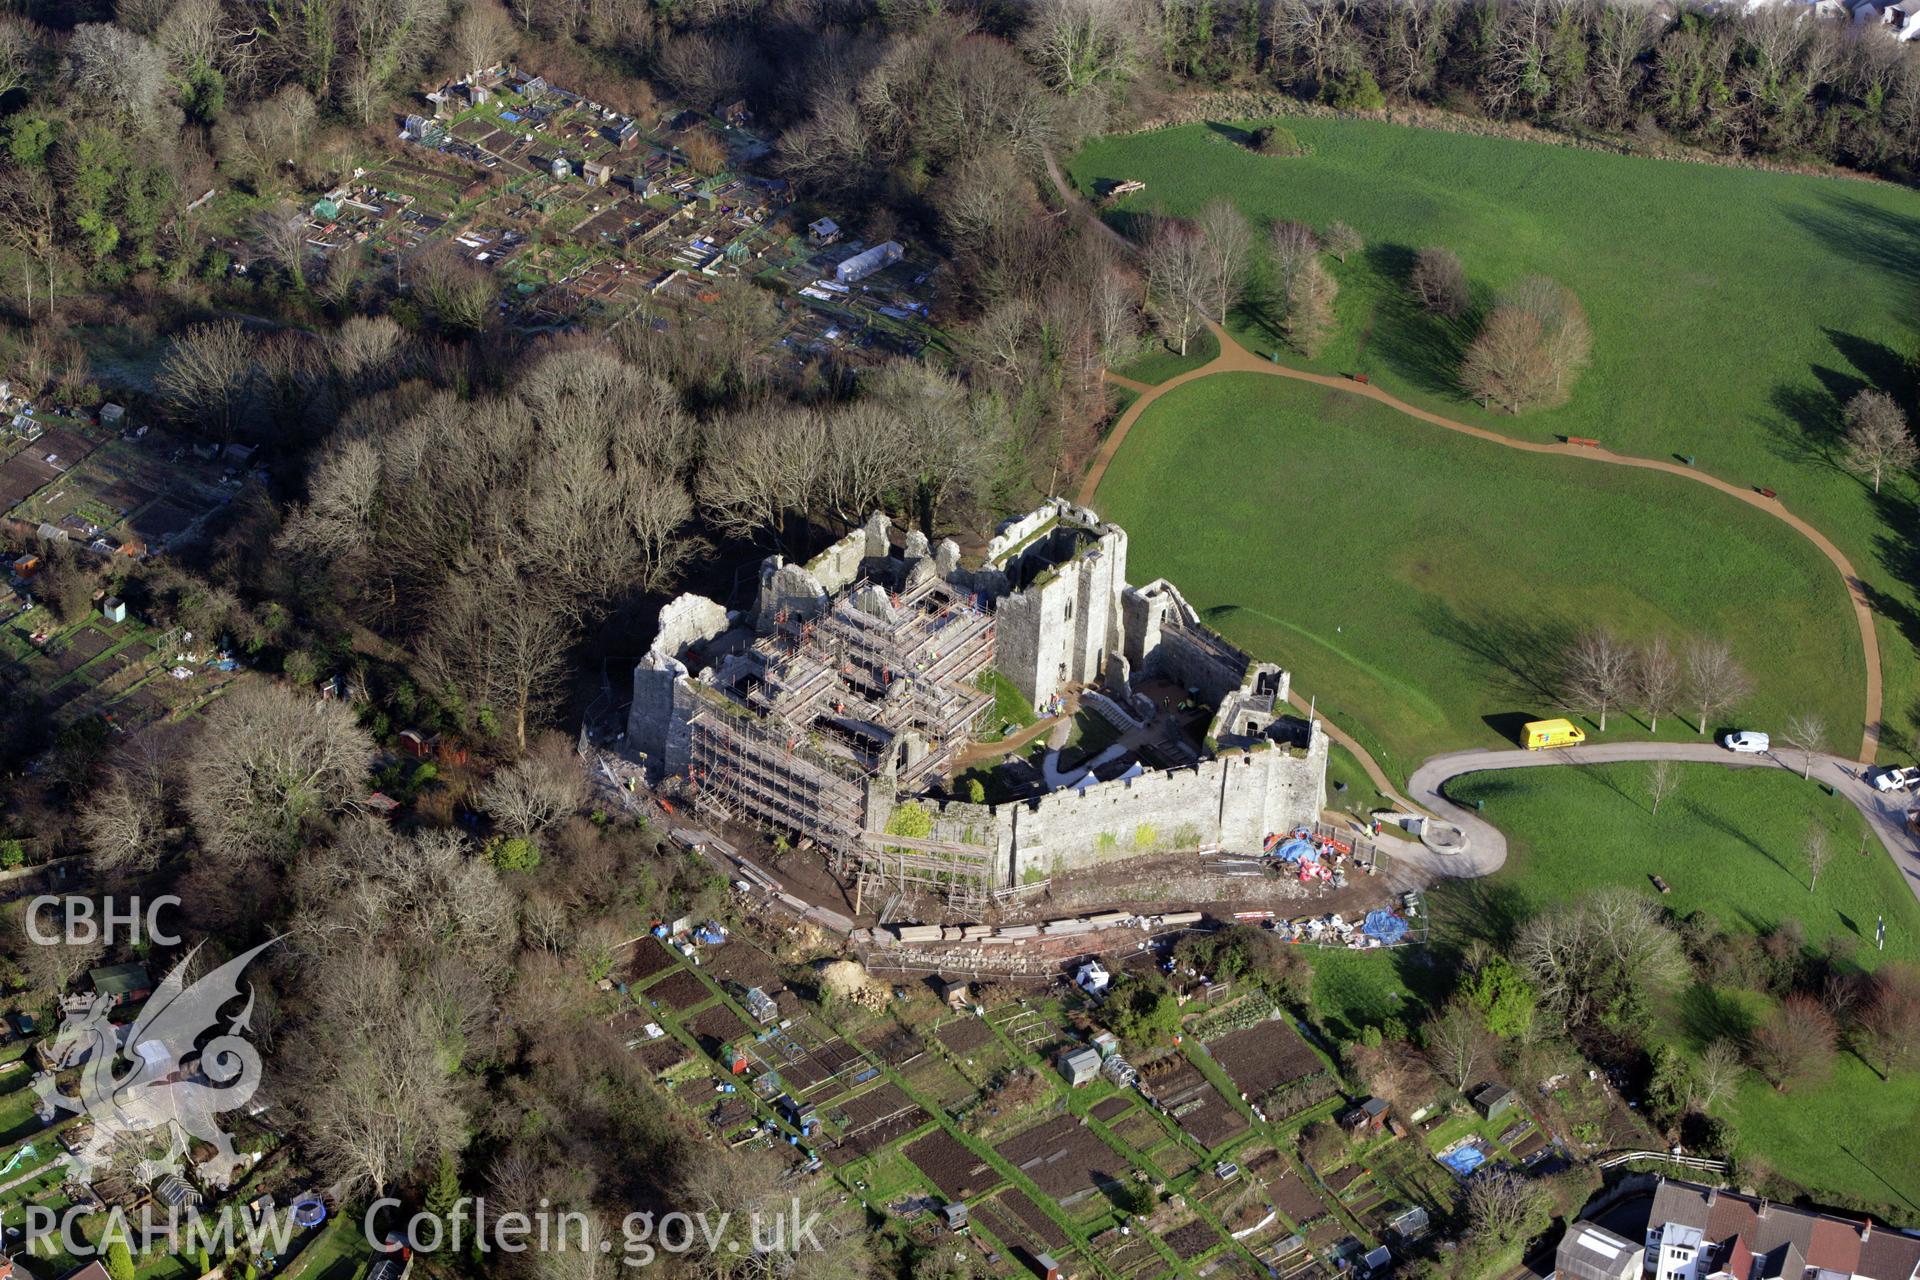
(459, 520)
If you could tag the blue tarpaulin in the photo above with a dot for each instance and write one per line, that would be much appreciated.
(1464, 1160)
(1384, 925)
(1297, 851)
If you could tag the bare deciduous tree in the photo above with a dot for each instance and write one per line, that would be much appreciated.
(707, 70)
(206, 375)
(537, 790)
(1715, 681)
(1878, 439)
(1310, 319)
(1081, 44)
(1717, 1074)
(1227, 243)
(1506, 1208)
(1178, 276)
(1663, 779)
(52, 967)
(118, 71)
(1891, 1017)
(1806, 732)
(269, 760)
(281, 235)
(1290, 247)
(1598, 673)
(1605, 952)
(498, 645)
(1457, 1045)
(457, 293)
(482, 35)
(1439, 283)
(1795, 1044)
(1818, 846)
(1656, 680)
(380, 1103)
(124, 820)
(1532, 347)
(1343, 241)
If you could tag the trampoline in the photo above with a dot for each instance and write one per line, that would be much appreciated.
(309, 1211)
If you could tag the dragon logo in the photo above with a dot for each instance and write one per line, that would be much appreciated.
(148, 1091)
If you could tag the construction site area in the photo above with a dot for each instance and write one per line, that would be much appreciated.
(864, 740)
(879, 693)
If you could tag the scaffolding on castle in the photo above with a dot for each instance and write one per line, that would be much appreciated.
(738, 766)
(881, 686)
(963, 873)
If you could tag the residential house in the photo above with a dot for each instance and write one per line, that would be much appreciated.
(1591, 1252)
(1702, 1233)
(121, 983)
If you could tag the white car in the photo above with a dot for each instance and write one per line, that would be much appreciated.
(1896, 779)
(1747, 742)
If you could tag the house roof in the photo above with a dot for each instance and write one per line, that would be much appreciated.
(1788, 1234)
(121, 979)
(1591, 1252)
(92, 1271)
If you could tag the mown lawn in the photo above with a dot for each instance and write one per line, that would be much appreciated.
(1733, 311)
(1421, 584)
(1728, 842)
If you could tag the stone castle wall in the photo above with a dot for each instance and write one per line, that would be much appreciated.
(1233, 800)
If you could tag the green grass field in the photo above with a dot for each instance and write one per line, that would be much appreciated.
(1732, 310)
(1161, 362)
(1419, 582)
(1728, 842)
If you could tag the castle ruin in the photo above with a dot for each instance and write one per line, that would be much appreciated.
(841, 705)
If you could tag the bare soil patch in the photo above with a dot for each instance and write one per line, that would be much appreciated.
(951, 1166)
(1263, 1057)
(964, 1036)
(1065, 1158)
(681, 989)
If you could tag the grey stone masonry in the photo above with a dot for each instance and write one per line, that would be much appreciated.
(1066, 570)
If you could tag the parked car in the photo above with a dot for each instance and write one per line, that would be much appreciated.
(1896, 779)
(1747, 742)
(22, 1024)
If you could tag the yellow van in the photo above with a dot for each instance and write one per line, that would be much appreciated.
(1553, 733)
